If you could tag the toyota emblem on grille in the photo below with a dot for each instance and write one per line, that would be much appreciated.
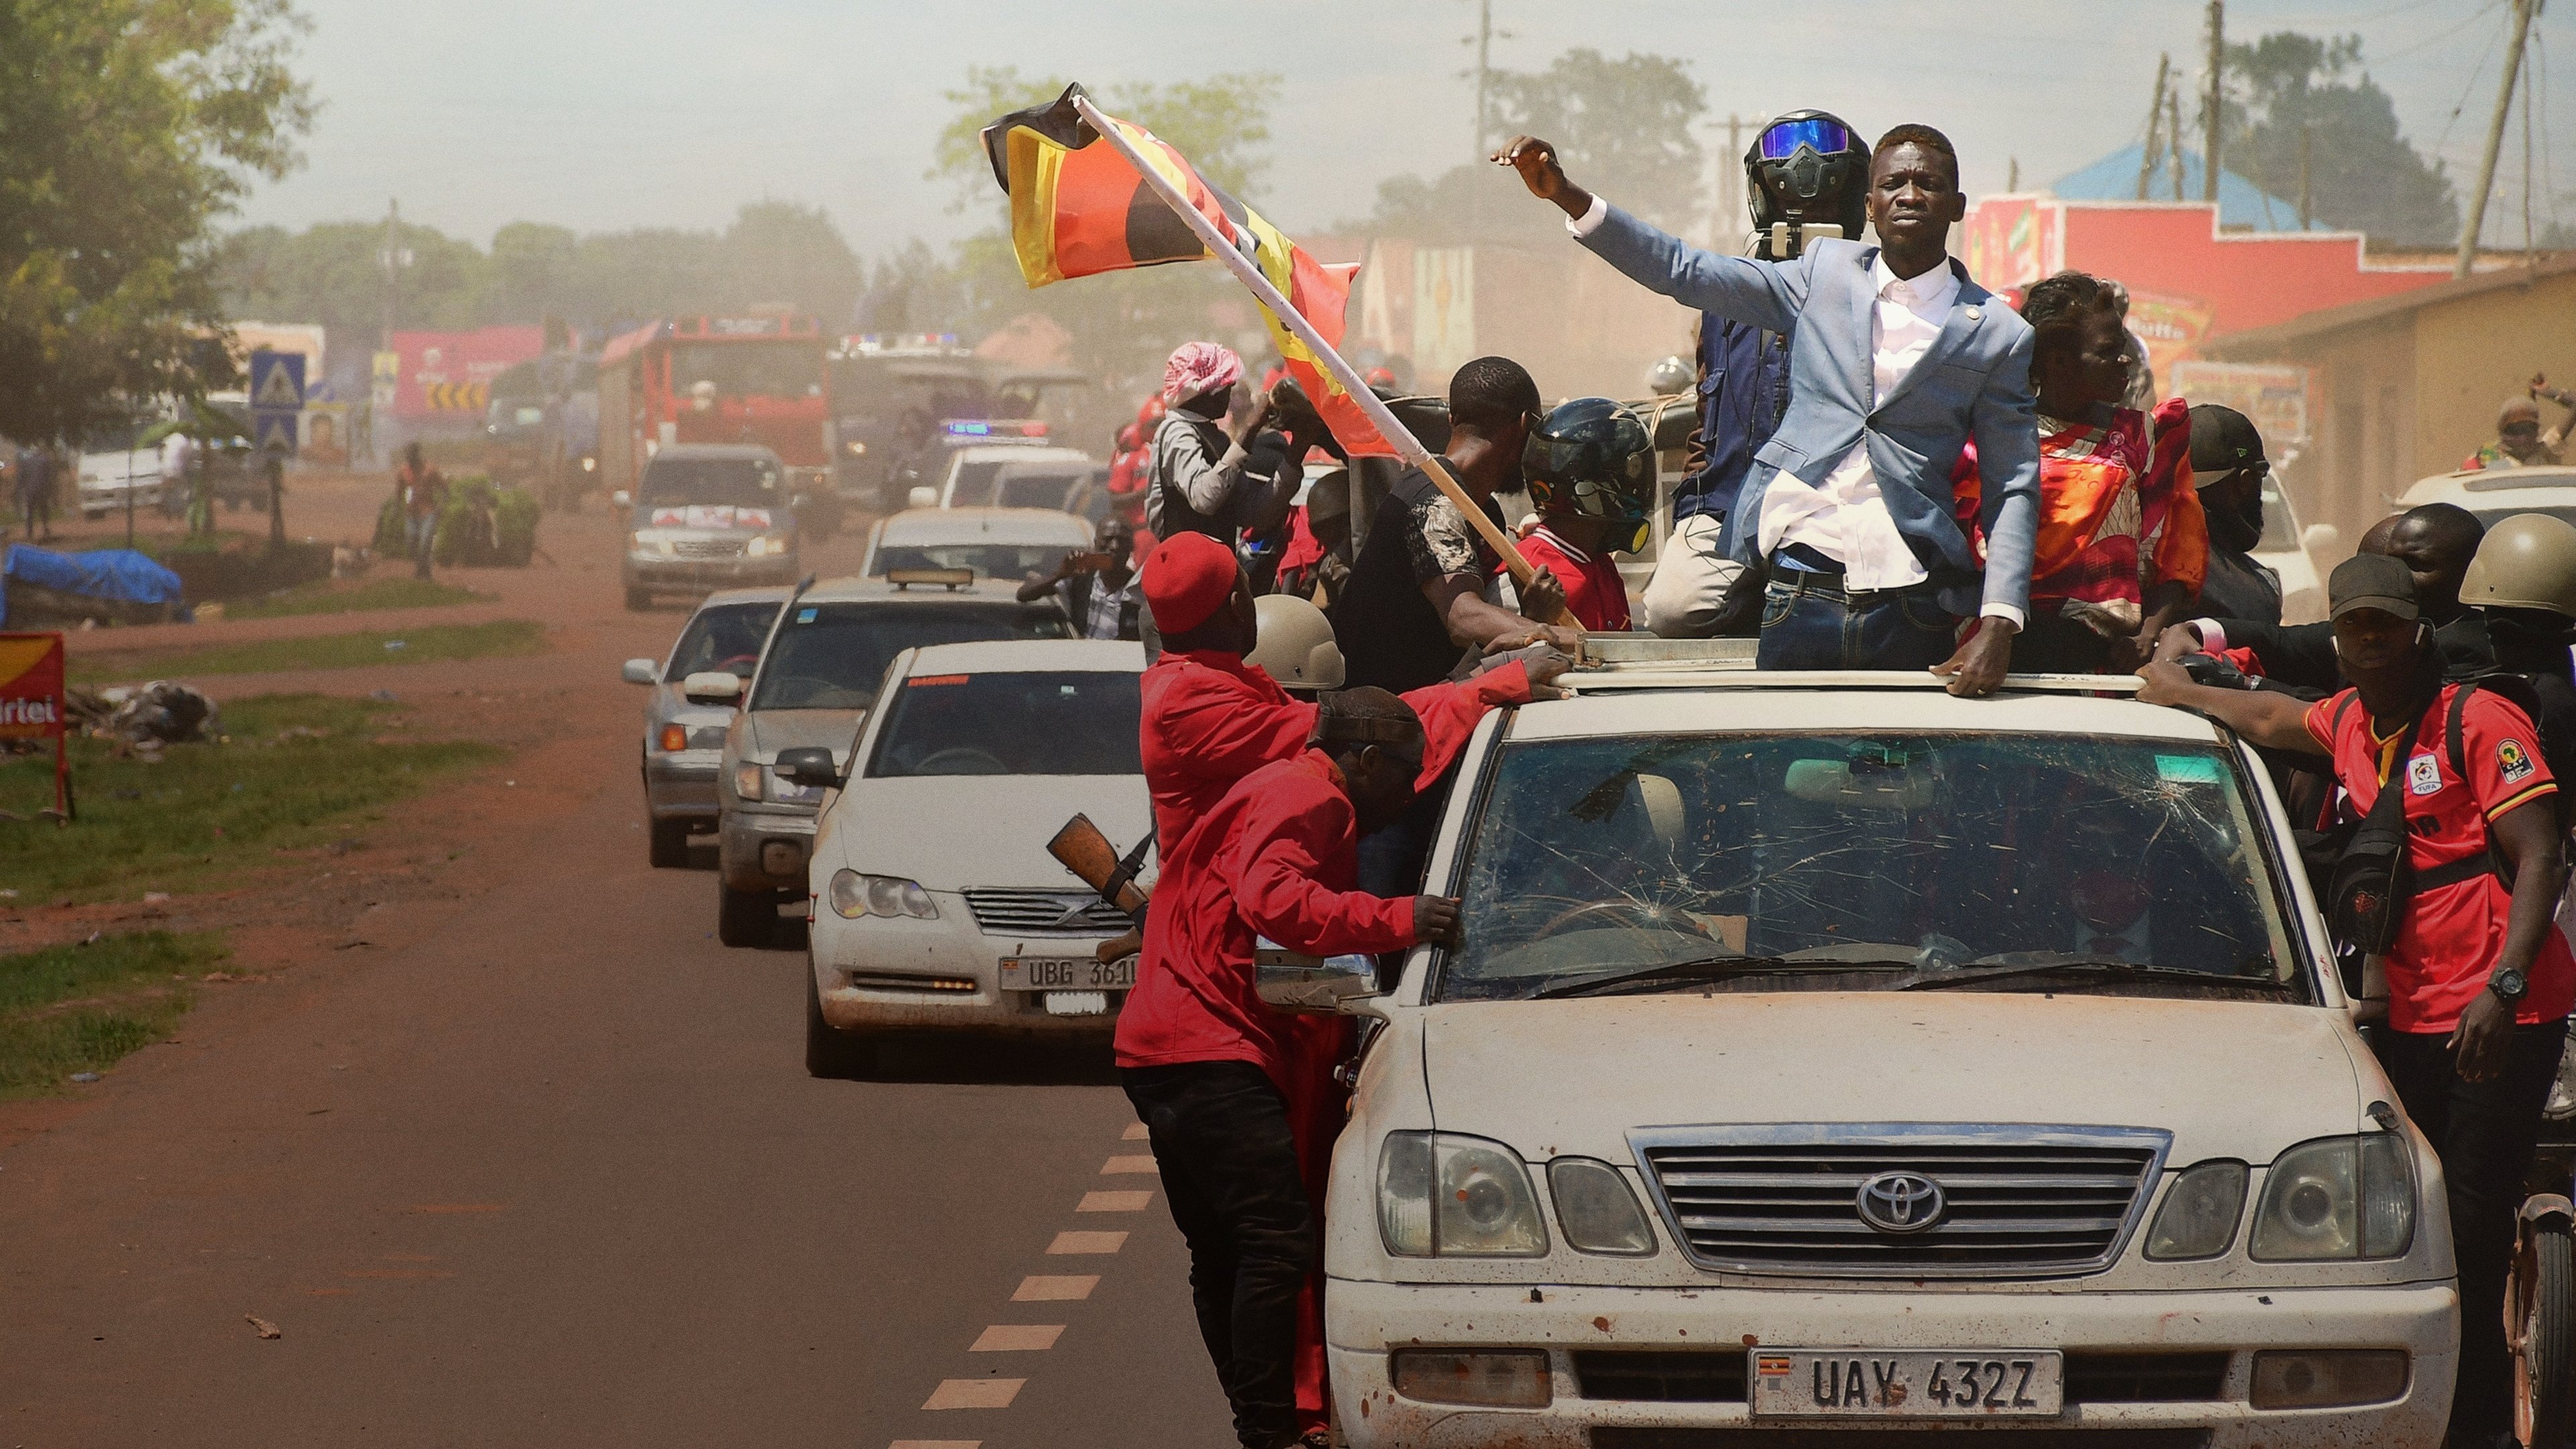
(1900, 1202)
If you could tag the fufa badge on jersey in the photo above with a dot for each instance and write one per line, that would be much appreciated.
(2513, 761)
(2423, 775)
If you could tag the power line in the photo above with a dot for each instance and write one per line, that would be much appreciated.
(2438, 37)
(2462, 103)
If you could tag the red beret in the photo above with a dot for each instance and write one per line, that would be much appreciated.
(1188, 577)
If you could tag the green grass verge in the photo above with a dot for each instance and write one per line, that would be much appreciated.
(301, 771)
(69, 1009)
(327, 597)
(499, 639)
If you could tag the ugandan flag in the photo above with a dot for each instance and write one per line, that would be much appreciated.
(1079, 209)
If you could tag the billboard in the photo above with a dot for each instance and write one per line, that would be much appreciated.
(2273, 394)
(2013, 241)
(449, 374)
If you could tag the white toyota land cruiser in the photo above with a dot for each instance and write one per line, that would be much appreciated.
(1832, 1062)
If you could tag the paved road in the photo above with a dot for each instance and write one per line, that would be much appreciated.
(556, 1177)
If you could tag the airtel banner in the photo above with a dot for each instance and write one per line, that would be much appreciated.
(450, 373)
(31, 686)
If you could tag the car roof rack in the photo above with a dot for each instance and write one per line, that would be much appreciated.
(1642, 661)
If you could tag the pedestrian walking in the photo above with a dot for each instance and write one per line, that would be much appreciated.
(2480, 981)
(35, 491)
(1899, 359)
(423, 490)
(1207, 1065)
(1808, 168)
(1098, 588)
(178, 462)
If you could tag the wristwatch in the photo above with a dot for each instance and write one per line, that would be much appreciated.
(2509, 985)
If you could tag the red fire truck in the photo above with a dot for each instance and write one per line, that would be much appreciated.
(757, 379)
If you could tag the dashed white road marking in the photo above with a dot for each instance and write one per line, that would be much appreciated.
(1114, 1202)
(1016, 1338)
(1139, 1165)
(1037, 1288)
(1076, 1244)
(1135, 1133)
(974, 1394)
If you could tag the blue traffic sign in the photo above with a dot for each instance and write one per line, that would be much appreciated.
(275, 431)
(277, 382)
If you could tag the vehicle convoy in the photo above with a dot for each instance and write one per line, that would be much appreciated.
(937, 907)
(819, 673)
(1829, 1055)
(975, 474)
(541, 429)
(994, 543)
(684, 739)
(2496, 493)
(732, 380)
(708, 516)
(900, 403)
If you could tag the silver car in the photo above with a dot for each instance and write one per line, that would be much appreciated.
(684, 738)
(709, 516)
(819, 673)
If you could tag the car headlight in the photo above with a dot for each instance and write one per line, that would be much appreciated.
(746, 780)
(2337, 1197)
(1596, 1209)
(854, 895)
(1444, 1196)
(2200, 1213)
(768, 545)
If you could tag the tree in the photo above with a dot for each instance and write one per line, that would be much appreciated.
(531, 271)
(2362, 174)
(1220, 123)
(333, 273)
(131, 126)
(777, 252)
(1624, 127)
(912, 291)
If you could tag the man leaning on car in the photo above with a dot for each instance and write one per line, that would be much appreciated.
(2480, 982)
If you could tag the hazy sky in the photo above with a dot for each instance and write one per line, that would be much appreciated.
(606, 114)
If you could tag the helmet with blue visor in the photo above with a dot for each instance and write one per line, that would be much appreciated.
(1808, 168)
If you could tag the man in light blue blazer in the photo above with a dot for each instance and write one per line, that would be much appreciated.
(1899, 361)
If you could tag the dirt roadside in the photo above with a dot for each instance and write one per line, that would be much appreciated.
(304, 926)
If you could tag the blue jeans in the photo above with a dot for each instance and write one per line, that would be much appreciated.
(1808, 622)
(421, 532)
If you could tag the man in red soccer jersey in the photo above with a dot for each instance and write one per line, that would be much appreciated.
(2479, 981)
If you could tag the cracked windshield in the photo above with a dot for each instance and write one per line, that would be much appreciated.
(1843, 862)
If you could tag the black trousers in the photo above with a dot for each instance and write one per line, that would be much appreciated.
(1220, 1136)
(2483, 1132)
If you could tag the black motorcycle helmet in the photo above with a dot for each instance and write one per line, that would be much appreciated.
(1595, 458)
(1808, 166)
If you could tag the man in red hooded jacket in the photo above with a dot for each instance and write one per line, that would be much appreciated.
(1209, 1067)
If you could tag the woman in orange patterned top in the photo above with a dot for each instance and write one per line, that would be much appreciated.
(2123, 545)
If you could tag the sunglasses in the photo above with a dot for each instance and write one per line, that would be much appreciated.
(1825, 138)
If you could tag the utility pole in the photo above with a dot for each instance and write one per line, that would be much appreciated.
(1484, 68)
(2217, 93)
(2012, 175)
(2307, 148)
(2155, 119)
(2173, 129)
(2477, 219)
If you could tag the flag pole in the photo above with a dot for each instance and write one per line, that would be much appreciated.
(1379, 414)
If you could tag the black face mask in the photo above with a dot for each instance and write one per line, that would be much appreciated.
(2528, 639)
(2233, 528)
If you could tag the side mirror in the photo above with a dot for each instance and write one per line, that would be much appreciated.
(922, 498)
(2322, 540)
(621, 498)
(638, 671)
(1305, 986)
(712, 686)
(808, 765)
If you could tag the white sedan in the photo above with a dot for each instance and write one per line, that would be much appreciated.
(935, 904)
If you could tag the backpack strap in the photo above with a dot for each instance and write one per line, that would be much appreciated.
(2451, 737)
(2489, 860)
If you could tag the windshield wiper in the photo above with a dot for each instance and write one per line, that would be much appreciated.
(1709, 968)
(2090, 967)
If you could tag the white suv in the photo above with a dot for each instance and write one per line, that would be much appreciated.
(1829, 1054)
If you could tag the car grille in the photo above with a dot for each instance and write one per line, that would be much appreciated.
(709, 547)
(707, 737)
(1043, 913)
(2017, 1201)
(1716, 1376)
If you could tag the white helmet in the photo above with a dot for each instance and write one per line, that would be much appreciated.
(1294, 643)
(1672, 375)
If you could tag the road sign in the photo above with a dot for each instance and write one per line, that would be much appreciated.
(274, 430)
(277, 382)
(456, 397)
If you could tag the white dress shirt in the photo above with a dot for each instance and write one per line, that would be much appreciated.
(1845, 518)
